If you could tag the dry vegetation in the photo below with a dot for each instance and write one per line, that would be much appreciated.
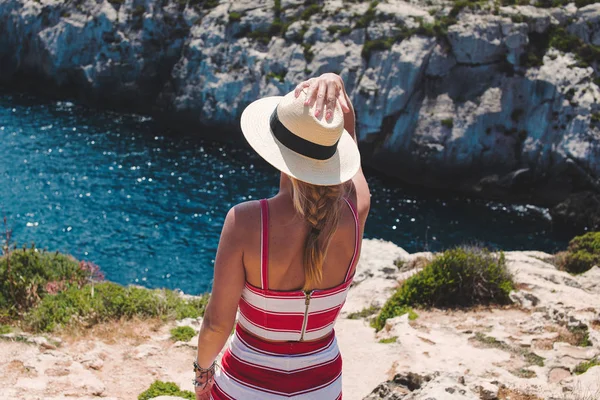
(135, 331)
(510, 394)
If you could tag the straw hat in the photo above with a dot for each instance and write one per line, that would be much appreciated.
(286, 133)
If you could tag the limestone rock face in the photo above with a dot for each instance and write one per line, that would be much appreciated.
(477, 102)
(587, 25)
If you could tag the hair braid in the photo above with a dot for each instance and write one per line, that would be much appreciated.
(321, 208)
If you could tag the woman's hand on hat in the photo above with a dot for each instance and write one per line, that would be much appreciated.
(324, 92)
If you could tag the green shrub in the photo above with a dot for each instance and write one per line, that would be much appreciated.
(182, 334)
(279, 77)
(518, 18)
(311, 10)
(277, 28)
(260, 36)
(365, 20)
(448, 123)
(392, 339)
(459, 5)
(234, 16)
(584, 366)
(582, 254)
(376, 45)
(586, 54)
(5, 329)
(364, 313)
(523, 373)
(560, 3)
(28, 274)
(581, 335)
(160, 388)
(309, 55)
(459, 277)
(138, 11)
(277, 8)
(109, 301)
(333, 29)
(517, 114)
(205, 4)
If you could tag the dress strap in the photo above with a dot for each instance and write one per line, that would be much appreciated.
(356, 238)
(264, 243)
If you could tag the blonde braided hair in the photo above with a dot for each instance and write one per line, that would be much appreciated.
(321, 207)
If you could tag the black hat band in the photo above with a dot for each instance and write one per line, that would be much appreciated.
(298, 144)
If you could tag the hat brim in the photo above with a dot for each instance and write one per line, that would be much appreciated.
(341, 167)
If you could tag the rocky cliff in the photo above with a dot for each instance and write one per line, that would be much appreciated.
(482, 97)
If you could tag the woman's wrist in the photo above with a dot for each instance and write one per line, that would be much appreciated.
(204, 376)
(203, 363)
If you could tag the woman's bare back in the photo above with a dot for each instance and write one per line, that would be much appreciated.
(287, 236)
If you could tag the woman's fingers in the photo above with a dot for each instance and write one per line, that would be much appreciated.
(320, 99)
(312, 93)
(331, 99)
(343, 103)
(301, 86)
(323, 92)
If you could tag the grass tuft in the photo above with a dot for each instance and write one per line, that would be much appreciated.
(584, 366)
(364, 313)
(182, 334)
(448, 123)
(235, 16)
(160, 388)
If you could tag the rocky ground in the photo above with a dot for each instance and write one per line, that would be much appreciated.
(476, 96)
(527, 351)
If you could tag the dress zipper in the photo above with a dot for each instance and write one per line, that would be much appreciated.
(305, 321)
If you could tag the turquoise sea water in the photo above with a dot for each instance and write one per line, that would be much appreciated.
(147, 205)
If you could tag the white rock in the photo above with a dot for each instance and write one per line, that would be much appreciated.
(195, 323)
(93, 361)
(477, 40)
(145, 351)
(440, 62)
(587, 25)
(487, 391)
(373, 284)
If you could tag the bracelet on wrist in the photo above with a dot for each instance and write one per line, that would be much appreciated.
(203, 375)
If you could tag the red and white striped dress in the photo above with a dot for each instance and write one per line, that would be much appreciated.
(284, 344)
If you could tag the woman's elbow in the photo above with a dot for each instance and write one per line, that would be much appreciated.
(216, 325)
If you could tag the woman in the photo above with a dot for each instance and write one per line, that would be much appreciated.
(287, 262)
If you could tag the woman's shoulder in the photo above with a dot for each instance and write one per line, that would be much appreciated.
(242, 213)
